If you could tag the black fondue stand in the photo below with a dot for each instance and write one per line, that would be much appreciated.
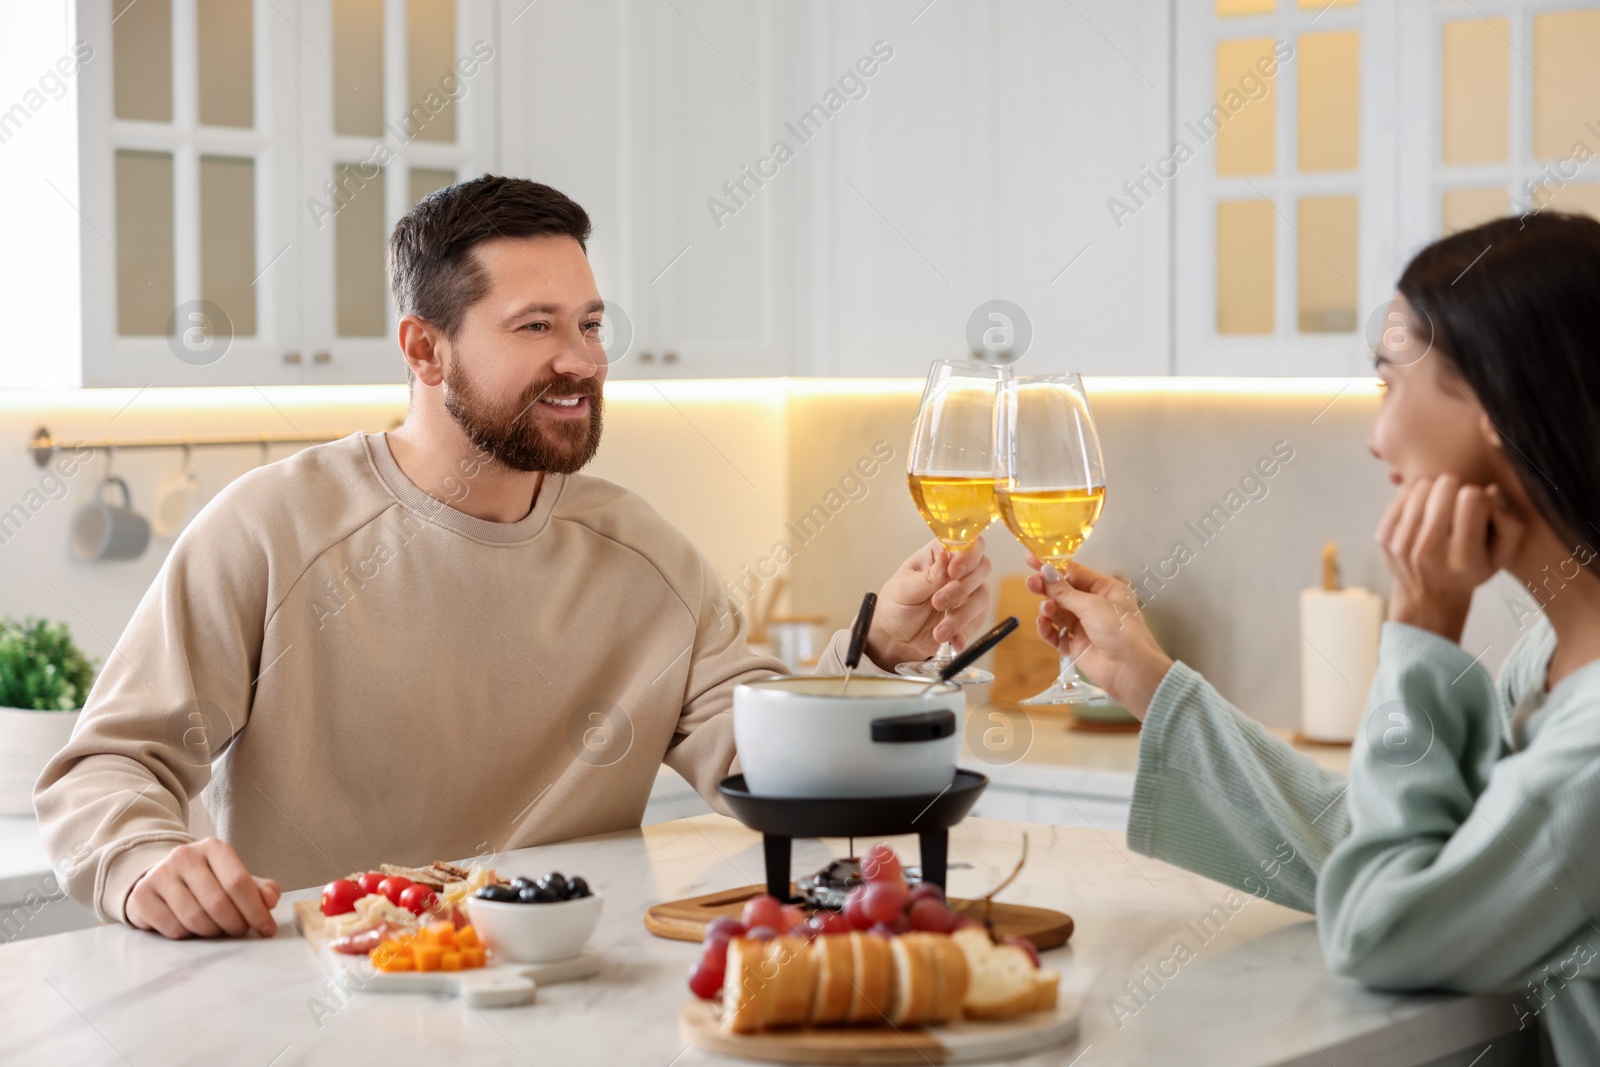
(928, 815)
(782, 819)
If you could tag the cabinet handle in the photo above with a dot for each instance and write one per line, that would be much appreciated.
(670, 357)
(647, 357)
(291, 357)
(322, 357)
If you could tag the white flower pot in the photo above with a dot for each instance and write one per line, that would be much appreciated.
(27, 741)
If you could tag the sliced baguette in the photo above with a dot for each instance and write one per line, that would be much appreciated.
(952, 976)
(916, 979)
(794, 981)
(745, 993)
(872, 976)
(1004, 983)
(834, 964)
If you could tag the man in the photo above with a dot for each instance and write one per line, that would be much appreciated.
(419, 645)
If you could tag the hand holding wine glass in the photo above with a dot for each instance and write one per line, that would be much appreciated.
(1052, 487)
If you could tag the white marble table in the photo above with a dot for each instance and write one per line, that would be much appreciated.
(1254, 993)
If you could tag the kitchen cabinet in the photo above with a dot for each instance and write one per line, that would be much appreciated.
(233, 171)
(655, 116)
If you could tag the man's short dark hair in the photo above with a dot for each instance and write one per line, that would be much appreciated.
(432, 271)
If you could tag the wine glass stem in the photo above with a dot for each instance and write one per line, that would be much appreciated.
(945, 653)
(1069, 672)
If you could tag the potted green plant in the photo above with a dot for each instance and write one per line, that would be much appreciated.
(44, 680)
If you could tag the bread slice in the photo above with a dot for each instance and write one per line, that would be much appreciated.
(1004, 983)
(746, 994)
(915, 992)
(833, 962)
(952, 976)
(794, 980)
(872, 975)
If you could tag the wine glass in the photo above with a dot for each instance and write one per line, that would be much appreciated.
(952, 473)
(1052, 487)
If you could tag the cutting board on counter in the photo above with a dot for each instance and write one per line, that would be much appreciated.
(685, 920)
(959, 1042)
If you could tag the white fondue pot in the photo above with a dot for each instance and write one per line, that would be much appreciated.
(797, 737)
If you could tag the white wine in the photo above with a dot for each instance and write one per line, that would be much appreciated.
(1051, 523)
(957, 507)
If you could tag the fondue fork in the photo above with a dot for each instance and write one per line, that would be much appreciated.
(977, 649)
(858, 637)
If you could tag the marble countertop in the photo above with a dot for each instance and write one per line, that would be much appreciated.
(1249, 990)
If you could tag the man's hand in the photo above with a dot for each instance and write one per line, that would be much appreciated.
(202, 890)
(1095, 619)
(1442, 540)
(936, 596)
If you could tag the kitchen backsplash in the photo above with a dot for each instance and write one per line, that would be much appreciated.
(1218, 500)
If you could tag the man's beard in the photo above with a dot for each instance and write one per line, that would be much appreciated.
(512, 434)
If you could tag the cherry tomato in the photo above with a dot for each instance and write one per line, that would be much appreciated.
(339, 897)
(370, 881)
(392, 887)
(418, 898)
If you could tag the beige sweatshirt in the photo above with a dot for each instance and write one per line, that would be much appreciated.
(356, 673)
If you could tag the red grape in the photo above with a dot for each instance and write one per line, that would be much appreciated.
(881, 930)
(722, 928)
(794, 917)
(715, 957)
(961, 923)
(929, 890)
(764, 910)
(1025, 945)
(853, 914)
(880, 864)
(705, 983)
(762, 933)
(829, 922)
(931, 915)
(901, 925)
(884, 901)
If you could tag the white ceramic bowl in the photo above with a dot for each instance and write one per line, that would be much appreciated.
(797, 737)
(535, 933)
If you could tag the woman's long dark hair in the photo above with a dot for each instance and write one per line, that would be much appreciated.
(1514, 306)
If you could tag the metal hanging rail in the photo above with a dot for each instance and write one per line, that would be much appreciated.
(44, 445)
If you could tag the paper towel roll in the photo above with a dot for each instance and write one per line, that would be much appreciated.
(1337, 659)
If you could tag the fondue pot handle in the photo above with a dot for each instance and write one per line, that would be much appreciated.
(923, 726)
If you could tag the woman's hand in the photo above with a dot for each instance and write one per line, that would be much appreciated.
(1442, 540)
(1095, 619)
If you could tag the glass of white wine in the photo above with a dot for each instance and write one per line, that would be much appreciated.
(1052, 487)
(952, 473)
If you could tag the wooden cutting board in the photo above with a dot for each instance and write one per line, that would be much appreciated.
(685, 920)
(960, 1042)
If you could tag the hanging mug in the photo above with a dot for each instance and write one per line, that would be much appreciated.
(103, 531)
(175, 504)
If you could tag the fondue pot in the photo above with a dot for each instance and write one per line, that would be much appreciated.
(800, 736)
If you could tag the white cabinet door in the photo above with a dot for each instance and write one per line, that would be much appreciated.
(186, 134)
(398, 99)
(650, 114)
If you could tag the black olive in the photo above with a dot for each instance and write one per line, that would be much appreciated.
(531, 895)
(540, 895)
(577, 887)
(520, 882)
(498, 893)
(555, 884)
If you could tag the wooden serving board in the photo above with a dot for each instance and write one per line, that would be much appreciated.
(685, 920)
(960, 1042)
(497, 985)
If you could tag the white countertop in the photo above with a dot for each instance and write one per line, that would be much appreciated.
(1256, 993)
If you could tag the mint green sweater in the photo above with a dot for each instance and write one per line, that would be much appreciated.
(1462, 853)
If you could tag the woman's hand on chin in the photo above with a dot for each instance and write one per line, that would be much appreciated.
(1095, 618)
(1442, 540)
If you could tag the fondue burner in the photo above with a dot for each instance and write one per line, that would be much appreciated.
(782, 819)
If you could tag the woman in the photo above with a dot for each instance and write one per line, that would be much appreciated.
(1462, 851)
